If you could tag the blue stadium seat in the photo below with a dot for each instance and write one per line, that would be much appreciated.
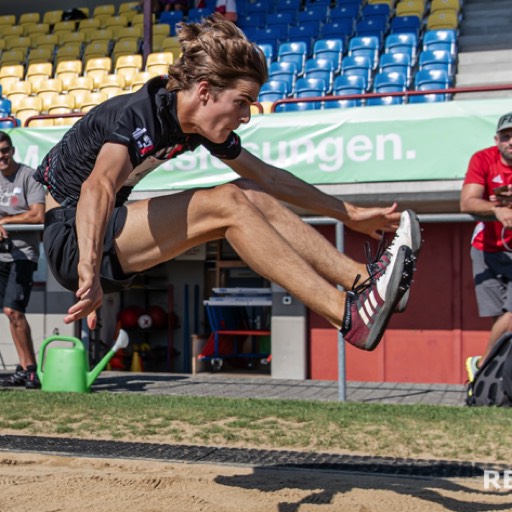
(255, 20)
(396, 62)
(349, 84)
(365, 45)
(286, 71)
(310, 86)
(357, 65)
(389, 82)
(317, 67)
(384, 101)
(329, 49)
(274, 90)
(350, 11)
(307, 33)
(288, 5)
(442, 39)
(438, 78)
(349, 103)
(293, 51)
(271, 35)
(268, 50)
(405, 25)
(297, 107)
(198, 13)
(437, 59)
(402, 43)
(316, 14)
(341, 29)
(282, 18)
(171, 18)
(428, 98)
(5, 107)
(263, 8)
(372, 27)
(380, 10)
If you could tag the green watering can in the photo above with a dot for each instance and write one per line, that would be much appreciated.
(66, 369)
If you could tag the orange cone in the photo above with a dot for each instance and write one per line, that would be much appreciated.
(136, 363)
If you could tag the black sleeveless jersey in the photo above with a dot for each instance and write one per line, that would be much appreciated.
(144, 121)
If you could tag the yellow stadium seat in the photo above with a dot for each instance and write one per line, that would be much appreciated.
(10, 74)
(139, 79)
(114, 21)
(63, 104)
(97, 68)
(410, 8)
(45, 40)
(391, 3)
(64, 26)
(101, 12)
(96, 49)
(38, 72)
(2, 44)
(138, 19)
(89, 24)
(81, 83)
(29, 17)
(91, 100)
(28, 107)
(72, 38)
(158, 63)
(11, 30)
(8, 19)
(133, 33)
(100, 34)
(444, 19)
(127, 66)
(67, 71)
(441, 5)
(12, 57)
(42, 54)
(128, 9)
(47, 89)
(171, 44)
(52, 17)
(125, 47)
(112, 84)
(67, 52)
(32, 30)
(18, 91)
(17, 43)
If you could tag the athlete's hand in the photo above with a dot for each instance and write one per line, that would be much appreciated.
(374, 221)
(89, 295)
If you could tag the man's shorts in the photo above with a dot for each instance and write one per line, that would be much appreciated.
(16, 284)
(61, 249)
(492, 273)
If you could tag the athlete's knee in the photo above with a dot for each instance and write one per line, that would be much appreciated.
(258, 197)
(231, 199)
(507, 320)
(13, 315)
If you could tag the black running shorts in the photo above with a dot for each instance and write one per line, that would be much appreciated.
(16, 284)
(61, 249)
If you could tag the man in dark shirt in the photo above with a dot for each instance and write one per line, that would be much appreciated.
(96, 244)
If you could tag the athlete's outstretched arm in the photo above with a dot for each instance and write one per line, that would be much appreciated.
(94, 209)
(286, 187)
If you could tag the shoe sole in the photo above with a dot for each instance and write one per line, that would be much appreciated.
(469, 370)
(416, 246)
(404, 266)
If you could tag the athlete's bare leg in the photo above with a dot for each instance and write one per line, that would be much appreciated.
(159, 229)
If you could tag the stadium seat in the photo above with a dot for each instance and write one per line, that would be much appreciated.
(307, 87)
(27, 107)
(72, 38)
(171, 45)
(442, 5)
(103, 11)
(257, 7)
(286, 71)
(17, 43)
(127, 66)
(14, 30)
(171, 18)
(357, 65)
(99, 35)
(429, 98)
(384, 101)
(112, 84)
(135, 33)
(396, 62)
(46, 41)
(372, 27)
(272, 35)
(125, 47)
(17, 91)
(410, 8)
(445, 19)
(402, 43)
(331, 49)
(288, 5)
(47, 89)
(114, 22)
(196, 14)
(97, 68)
(90, 100)
(273, 90)
(5, 108)
(405, 25)
(438, 78)
(267, 49)
(31, 29)
(443, 39)
(64, 26)
(67, 52)
(252, 21)
(294, 51)
(158, 63)
(284, 18)
(8, 20)
(37, 72)
(67, 71)
(392, 81)
(29, 18)
(437, 59)
(315, 14)
(341, 29)
(96, 49)
(88, 25)
(345, 85)
(305, 33)
(62, 104)
(317, 67)
(367, 46)
(128, 9)
(298, 106)
(140, 79)
(345, 11)
(52, 17)
(138, 19)
(378, 10)
(12, 57)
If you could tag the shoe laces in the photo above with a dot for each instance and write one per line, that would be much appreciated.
(372, 261)
(363, 287)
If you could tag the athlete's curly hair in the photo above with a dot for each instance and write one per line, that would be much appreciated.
(217, 51)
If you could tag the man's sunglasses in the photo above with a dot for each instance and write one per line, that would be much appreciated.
(5, 151)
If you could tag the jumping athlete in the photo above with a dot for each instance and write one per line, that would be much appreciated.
(96, 242)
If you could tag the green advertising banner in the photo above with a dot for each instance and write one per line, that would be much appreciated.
(358, 145)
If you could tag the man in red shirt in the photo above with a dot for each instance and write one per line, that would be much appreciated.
(487, 191)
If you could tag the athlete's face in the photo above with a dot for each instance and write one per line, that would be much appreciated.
(504, 143)
(226, 111)
(6, 157)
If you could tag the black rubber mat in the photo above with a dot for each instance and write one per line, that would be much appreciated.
(240, 456)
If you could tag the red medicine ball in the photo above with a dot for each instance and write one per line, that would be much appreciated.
(158, 316)
(129, 317)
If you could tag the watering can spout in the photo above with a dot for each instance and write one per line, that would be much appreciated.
(121, 342)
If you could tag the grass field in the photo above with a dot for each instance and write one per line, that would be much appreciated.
(420, 431)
